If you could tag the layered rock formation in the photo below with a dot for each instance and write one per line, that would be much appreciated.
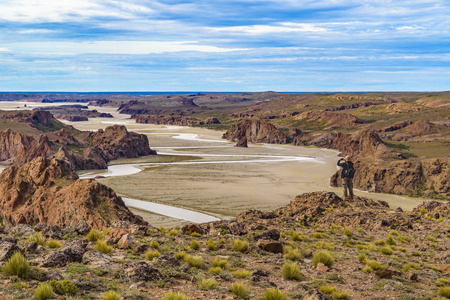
(256, 131)
(16, 146)
(164, 120)
(329, 120)
(49, 191)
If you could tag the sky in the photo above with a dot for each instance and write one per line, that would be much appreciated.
(224, 45)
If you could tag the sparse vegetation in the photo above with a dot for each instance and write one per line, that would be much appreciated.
(240, 290)
(53, 244)
(150, 255)
(291, 270)
(174, 296)
(17, 265)
(112, 295)
(37, 237)
(207, 284)
(324, 257)
(102, 247)
(274, 294)
(94, 235)
(240, 245)
(44, 292)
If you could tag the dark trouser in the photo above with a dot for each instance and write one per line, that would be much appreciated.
(347, 183)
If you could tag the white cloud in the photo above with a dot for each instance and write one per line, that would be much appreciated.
(35, 31)
(4, 50)
(267, 29)
(115, 47)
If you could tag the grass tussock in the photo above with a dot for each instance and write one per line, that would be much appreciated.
(207, 284)
(44, 292)
(37, 237)
(194, 261)
(150, 255)
(222, 263)
(180, 255)
(242, 273)
(53, 244)
(17, 265)
(291, 270)
(240, 245)
(274, 294)
(211, 245)
(291, 253)
(195, 245)
(94, 235)
(324, 257)
(240, 290)
(174, 296)
(112, 295)
(444, 292)
(102, 247)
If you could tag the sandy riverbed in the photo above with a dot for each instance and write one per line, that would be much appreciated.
(221, 189)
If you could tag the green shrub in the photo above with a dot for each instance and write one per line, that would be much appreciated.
(174, 296)
(240, 290)
(173, 232)
(180, 255)
(195, 245)
(403, 239)
(291, 270)
(444, 292)
(154, 244)
(274, 294)
(112, 295)
(373, 264)
(44, 292)
(292, 253)
(163, 229)
(207, 284)
(53, 244)
(17, 265)
(390, 241)
(242, 273)
(240, 245)
(37, 237)
(64, 287)
(194, 261)
(150, 255)
(324, 257)
(102, 247)
(362, 257)
(393, 232)
(217, 262)
(94, 235)
(348, 232)
(211, 245)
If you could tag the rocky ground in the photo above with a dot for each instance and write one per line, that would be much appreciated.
(374, 253)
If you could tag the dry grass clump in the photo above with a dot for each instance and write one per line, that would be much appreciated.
(291, 270)
(195, 245)
(292, 253)
(215, 270)
(274, 294)
(194, 261)
(154, 244)
(444, 292)
(38, 238)
(44, 292)
(102, 247)
(174, 296)
(150, 255)
(324, 257)
(94, 235)
(386, 250)
(211, 245)
(222, 263)
(295, 236)
(240, 245)
(242, 273)
(53, 244)
(112, 295)
(17, 265)
(180, 255)
(207, 284)
(240, 290)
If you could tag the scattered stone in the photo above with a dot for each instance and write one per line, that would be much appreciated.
(322, 268)
(141, 248)
(261, 273)
(411, 276)
(7, 249)
(191, 228)
(446, 268)
(74, 253)
(273, 234)
(270, 246)
(3, 230)
(22, 229)
(137, 285)
(55, 258)
(114, 235)
(9, 239)
(41, 226)
(168, 260)
(236, 228)
(53, 232)
(313, 294)
(125, 242)
(388, 287)
(31, 248)
(82, 227)
(139, 271)
(387, 273)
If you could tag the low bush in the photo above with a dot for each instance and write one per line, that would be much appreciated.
(295, 236)
(292, 253)
(211, 245)
(207, 284)
(194, 261)
(154, 244)
(53, 244)
(242, 273)
(217, 262)
(64, 287)
(215, 270)
(180, 255)
(37, 237)
(195, 245)
(150, 255)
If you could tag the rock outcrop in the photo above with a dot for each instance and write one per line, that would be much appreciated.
(163, 120)
(329, 120)
(15, 146)
(212, 120)
(49, 191)
(256, 131)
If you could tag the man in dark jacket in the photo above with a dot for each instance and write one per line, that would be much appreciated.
(348, 171)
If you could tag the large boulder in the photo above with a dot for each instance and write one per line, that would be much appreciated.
(256, 131)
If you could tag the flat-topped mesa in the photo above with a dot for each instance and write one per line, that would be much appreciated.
(169, 120)
(33, 118)
(49, 191)
(256, 131)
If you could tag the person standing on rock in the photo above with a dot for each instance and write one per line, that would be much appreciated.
(348, 171)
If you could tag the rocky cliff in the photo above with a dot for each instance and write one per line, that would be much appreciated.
(167, 120)
(256, 131)
(15, 146)
(329, 120)
(49, 191)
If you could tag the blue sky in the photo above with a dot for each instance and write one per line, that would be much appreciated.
(224, 45)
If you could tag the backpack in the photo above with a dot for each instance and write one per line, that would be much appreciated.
(349, 170)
